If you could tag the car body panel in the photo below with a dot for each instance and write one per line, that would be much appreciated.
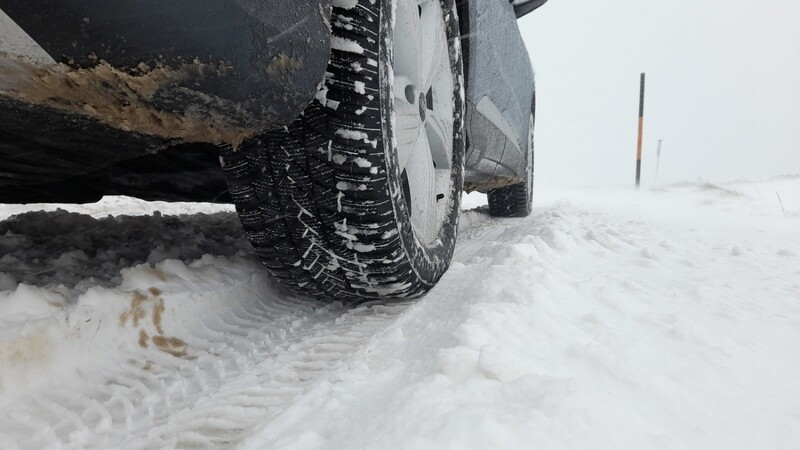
(500, 88)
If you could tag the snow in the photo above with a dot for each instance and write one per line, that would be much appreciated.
(346, 4)
(667, 318)
(359, 87)
(356, 135)
(346, 45)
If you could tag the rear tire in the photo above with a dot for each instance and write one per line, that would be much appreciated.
(337, 205)
(516, 200)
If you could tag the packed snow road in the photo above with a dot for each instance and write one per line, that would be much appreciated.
(667, 319)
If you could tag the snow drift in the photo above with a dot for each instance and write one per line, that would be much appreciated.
(668, 318)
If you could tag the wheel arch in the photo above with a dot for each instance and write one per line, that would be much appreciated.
(499, 76)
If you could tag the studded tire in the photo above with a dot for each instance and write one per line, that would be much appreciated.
(323, 200)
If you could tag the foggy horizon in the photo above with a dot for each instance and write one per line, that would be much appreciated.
(722, 90)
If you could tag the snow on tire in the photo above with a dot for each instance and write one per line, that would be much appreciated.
(357, 199)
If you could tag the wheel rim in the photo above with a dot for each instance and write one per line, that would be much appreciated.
(423, 107)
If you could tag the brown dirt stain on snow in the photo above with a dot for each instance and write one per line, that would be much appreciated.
(137, 311)
(143, 338)
(158, 273)
(174, 346)
(158, 311)
(28, 349)
(141, 305)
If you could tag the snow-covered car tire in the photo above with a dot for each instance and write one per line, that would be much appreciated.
(327, 202)
(516, 200)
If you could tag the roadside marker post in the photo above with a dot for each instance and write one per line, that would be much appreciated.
(658, 158)
(641, 129)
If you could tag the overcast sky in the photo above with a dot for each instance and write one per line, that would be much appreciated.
(723, 89)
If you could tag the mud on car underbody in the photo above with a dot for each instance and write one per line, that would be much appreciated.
(137, 77)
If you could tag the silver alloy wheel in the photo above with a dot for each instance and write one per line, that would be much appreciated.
(423, 113)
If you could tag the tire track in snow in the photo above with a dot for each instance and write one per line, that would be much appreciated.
(266, 382)
(245, 364)
(245, 359)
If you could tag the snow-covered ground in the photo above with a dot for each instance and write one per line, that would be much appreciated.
(667, 318)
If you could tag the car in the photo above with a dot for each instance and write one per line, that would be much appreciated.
(347, 130)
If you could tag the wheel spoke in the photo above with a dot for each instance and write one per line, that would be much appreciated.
(433, 58)
(419, 148)
(440, 135)
(407, 119)
(407, 41)
(420, 172)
